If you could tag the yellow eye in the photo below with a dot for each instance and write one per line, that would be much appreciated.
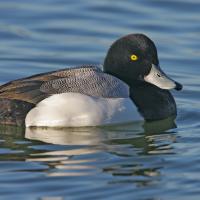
(134, 57)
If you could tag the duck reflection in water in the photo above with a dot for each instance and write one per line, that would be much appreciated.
(130, 145)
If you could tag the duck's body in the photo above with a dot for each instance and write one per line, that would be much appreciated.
(88, 96)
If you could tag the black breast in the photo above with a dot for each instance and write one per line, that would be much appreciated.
(152, 102)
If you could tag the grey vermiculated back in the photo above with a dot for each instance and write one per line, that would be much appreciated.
(87, 80)
(76, 71)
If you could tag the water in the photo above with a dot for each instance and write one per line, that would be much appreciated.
(134, 161)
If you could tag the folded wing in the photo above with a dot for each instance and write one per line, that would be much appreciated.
(89, 80)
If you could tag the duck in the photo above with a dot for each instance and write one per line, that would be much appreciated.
(130, 86)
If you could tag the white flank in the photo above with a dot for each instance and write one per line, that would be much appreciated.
(78, 110)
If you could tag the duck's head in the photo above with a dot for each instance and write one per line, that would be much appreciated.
(134, 59)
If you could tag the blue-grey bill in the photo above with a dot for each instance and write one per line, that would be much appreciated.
(157, 77)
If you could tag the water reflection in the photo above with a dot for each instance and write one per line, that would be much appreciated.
(122, 150)
(124, 154)
(83, 136)
(100, 135)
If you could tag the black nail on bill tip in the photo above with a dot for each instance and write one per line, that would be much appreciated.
(178, 86)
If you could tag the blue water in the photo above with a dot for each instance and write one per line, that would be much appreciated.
(134, 161)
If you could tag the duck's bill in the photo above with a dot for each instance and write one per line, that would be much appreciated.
(157, 77)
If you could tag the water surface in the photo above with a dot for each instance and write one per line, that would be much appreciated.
(135, 161)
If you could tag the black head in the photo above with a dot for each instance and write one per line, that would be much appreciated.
(133, 59)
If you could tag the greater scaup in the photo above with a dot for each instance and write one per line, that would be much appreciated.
(131, 87)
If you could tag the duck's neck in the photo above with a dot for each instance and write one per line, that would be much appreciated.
(152, 102)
